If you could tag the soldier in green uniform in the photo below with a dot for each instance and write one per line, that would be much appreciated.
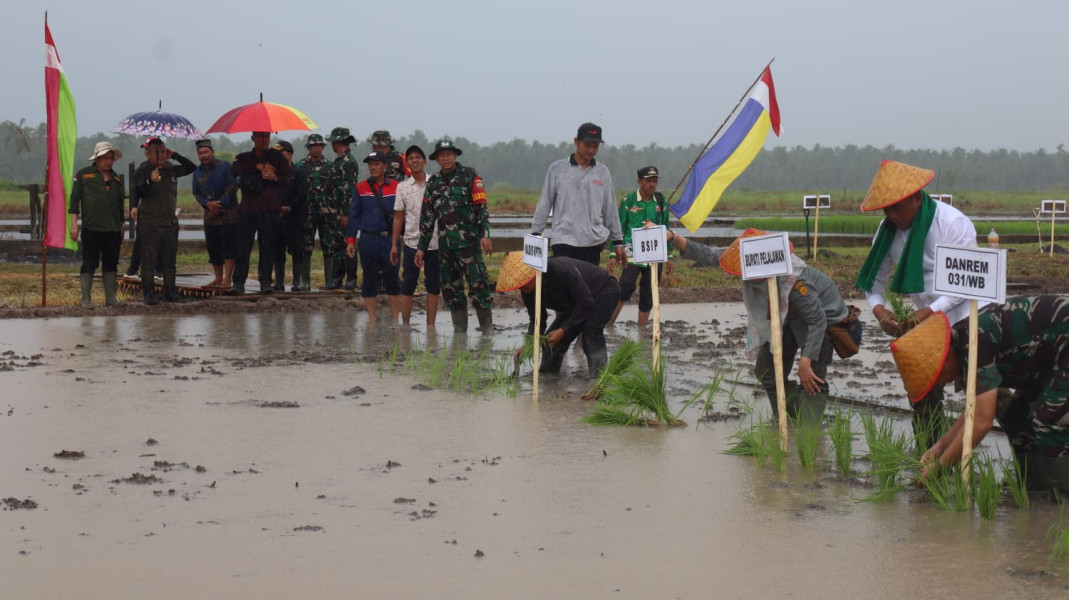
(344, 175)
(396, 168)
(97, 196)
(156, 183)
(313, 189)
(455, 200)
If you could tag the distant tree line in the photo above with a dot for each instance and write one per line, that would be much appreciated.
(522, 165)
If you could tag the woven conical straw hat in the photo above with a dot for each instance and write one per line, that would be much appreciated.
(921, 353)
(514, 273)
(895, 182)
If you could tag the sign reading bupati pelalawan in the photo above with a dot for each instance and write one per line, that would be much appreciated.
(536, 252)
(649, 244)
(765, 256)
(973, 273)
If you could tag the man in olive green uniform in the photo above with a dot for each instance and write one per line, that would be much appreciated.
(156, 181)
(396, 168)
(455, 200)
(97, 196)
(313, 188)
(344, 175)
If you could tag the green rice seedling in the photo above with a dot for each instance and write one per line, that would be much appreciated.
(640, 391)
(842, 439)
(901, 308)
(618, 363)
(709, 391)
(946, 488)
(752, 441)
(1058, 537)
(807, 441)
(986, 484)
(888, 454)
(776, 450)
(610, 414)
(1016, 482)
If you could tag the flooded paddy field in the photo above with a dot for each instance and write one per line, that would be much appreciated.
(279, 455)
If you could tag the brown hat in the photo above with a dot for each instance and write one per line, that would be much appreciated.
(894, 182)
(514, 273)
(921, 354)
(731, 259)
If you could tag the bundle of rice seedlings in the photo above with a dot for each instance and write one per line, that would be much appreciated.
(900, 307)
(947, 490)
(807, 436)
(1058, 537)
(640, 393)
(1016, 479)
(889, 455)
(618, 364)
(987, 486)
(842, 439)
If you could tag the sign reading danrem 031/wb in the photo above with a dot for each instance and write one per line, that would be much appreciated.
(973, 273)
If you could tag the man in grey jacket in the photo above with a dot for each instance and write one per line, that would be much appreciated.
(813, 304)
(578, 193)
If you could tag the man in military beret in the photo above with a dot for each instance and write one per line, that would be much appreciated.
(396, 168)
(455, 201)
(312, 175)
(344, 175)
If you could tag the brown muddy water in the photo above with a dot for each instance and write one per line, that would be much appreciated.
(224, 459)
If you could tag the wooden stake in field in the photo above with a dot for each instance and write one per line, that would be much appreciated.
(536, 256)
(970, 398)
(777, 359)
(649, 246)
(536, 339)
(654, 287)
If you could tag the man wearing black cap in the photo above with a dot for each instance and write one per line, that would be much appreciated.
(643, 207)
(343, 178)
(578, 192)
(156, 182)
(216, 191)
(371, 219)
(262, 175)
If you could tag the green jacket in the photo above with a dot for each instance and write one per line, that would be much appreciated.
(99, 203)
(634, 212)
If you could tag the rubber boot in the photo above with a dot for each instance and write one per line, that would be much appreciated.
(350, 274)
(1058, 477)
(280, 276)
(87, 289)
(110, 287)
(337, 272)
(297, 262)
(790, 392)
(806, 407)
(306, 273)
(1033, 467)
(486, 320)
(460, 319)
(328, 269)
(551, 360)
(596, 361)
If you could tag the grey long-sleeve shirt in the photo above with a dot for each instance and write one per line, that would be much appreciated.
(809, 314)
(583, 204)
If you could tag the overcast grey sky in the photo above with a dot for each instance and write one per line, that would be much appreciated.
(914, 73)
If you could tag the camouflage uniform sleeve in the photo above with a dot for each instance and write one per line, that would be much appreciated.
(478, 203)
(427, 217)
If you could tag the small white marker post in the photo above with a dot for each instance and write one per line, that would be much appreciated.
(1054, 207)
(536, 256)
(650, 247)
(761, 257)
(976, 274)
(816, 202)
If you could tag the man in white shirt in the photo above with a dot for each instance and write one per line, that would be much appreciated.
(905, 243)
(406, 220)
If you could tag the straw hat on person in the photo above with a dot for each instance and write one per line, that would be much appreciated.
(514, 273)
(921, 354)
(894, 182)
(103, 148)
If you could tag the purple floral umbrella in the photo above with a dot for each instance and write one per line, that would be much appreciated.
(158, 123)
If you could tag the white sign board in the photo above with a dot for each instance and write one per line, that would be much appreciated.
(973, 273)
(536, 252)
(650, 244)
(810, 202)
(765, 256)
(947, 198)
(1052, 206)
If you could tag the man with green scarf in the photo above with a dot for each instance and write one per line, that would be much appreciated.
(905, 242)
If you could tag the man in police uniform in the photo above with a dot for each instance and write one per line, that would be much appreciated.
(344, 175)
(455, 201)
(313, 190)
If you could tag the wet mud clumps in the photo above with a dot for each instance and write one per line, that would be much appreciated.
(16, 504)
(69, 454)
(139, 479)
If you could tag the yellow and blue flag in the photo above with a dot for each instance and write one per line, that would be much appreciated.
(730, 155)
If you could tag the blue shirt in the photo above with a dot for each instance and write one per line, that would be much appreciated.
(215, 184)
(365, 210)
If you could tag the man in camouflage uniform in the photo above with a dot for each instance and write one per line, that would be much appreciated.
(1022, 345)
(455, 200)
(313, 187)
(344, 175)
(396, 167)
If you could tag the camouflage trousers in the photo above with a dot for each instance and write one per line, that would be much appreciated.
(457, 265)
(331, 233)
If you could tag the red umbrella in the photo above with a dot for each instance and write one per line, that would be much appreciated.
(262, 116)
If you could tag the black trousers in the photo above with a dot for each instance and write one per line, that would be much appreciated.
(260, 227)
(100, 247)
(590, 254)
(159, 243)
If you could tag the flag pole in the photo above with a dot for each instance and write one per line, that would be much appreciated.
(717, 132)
